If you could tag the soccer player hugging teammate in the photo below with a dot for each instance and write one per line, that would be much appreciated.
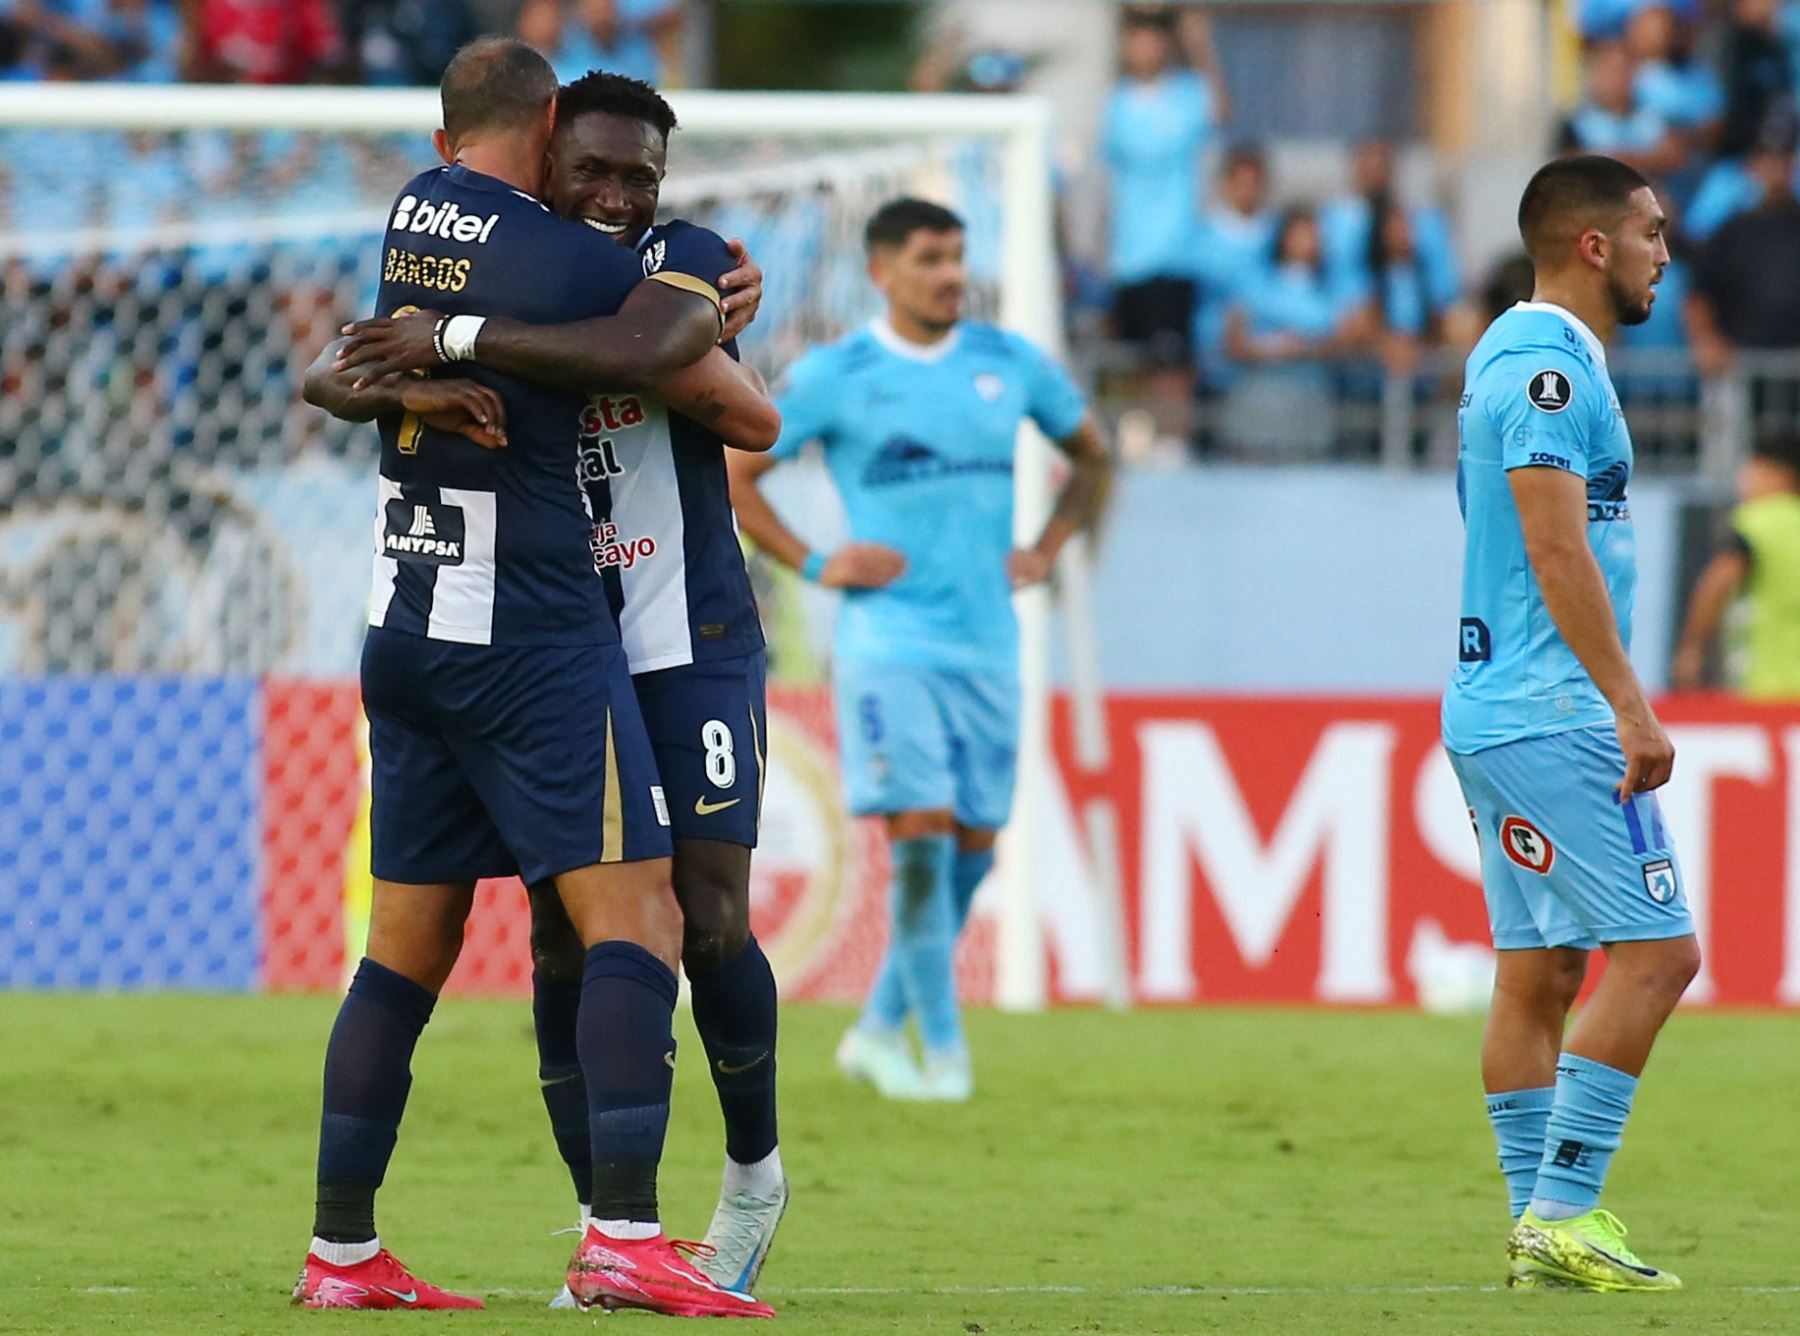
(504, 730)
(1549, 730)
(918, 415)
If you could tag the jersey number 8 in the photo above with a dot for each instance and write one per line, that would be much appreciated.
(721, 765)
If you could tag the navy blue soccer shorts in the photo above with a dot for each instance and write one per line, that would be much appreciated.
(489, 760)
(708, 725)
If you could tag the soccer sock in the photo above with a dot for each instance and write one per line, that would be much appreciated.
(1586, 1122)
(924, 937)
(1519, 1117)
(625, 1034)
(554, 1009)
(966, 875)
(886, 1007)
(368, 1072)
(734, 1011)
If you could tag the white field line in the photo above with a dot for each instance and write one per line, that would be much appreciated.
(1095, 1291)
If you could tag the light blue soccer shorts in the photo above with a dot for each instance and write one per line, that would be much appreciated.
(1563, 862)
(918, 739)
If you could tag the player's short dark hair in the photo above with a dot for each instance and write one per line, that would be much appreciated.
(1569, 194)
(495, 83)
(616, 95)
(1244, 153)
(898, 219)
(1779, 447)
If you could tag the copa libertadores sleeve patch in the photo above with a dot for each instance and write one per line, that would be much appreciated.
(1549, 390)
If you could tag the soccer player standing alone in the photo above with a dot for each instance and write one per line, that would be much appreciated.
(918, 414)
(1550, 732)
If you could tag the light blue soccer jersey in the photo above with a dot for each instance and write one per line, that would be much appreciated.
(920, 443)
(1535, 393)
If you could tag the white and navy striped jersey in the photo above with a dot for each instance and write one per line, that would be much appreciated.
(665, 540)
(491, 547)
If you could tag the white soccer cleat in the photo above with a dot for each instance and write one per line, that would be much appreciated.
(564, 1299)
(881, 1058)
(738, 1240)
(947, 1078)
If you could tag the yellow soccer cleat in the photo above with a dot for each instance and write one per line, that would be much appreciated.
(1587, 1252)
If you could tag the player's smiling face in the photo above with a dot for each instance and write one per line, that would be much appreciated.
(607, 171)
(1639, 252)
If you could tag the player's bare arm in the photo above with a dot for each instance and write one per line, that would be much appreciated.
(852, 566)
(727, 398)
(1719, 584)
(1077, 507)
(450, 404)
(659, 329)
(1552, 505)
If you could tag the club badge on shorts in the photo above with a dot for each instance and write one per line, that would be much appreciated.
(1659, 880)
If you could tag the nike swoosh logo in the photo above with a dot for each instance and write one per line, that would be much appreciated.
(410, 1297)
(547, 1082)
(729, 1070)
(704, 808)
(1620, 1261)
(670, 1059)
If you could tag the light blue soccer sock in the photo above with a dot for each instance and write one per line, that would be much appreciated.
(886, 1008)
(924, 937)
(1586, 1121)
(966, 875)
(1519, 1118)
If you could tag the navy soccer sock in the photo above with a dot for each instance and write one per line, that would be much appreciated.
(368, 1072)
(734, 1011)
(626, 1038)
(554, 1009)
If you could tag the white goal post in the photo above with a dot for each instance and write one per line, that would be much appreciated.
(1027, 284)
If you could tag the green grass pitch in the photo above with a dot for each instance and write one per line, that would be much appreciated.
(1195, 1171)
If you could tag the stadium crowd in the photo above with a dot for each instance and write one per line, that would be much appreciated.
(1248, 322)
(1285, 301)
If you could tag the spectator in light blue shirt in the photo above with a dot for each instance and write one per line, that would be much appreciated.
(1613, 122)
(621, 36)
(1349, 234)
(1236, 241)
(1156, 125)
(1668, 80)
(1286, 328)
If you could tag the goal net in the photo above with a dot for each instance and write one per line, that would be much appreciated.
(183, 550)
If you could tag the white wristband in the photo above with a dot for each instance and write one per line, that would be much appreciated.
(459, 336)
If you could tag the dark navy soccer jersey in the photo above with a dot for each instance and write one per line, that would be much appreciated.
(491, 547)
(665, 536)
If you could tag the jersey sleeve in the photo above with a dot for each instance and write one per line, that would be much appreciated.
(1051, 399)
(804, 398)
(1544, 403)
(693, 259)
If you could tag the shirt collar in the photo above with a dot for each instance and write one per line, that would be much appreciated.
(884, 334)
(1576, 323)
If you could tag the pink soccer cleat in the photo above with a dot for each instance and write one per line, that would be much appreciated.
(650, 1274)
(381, 1282)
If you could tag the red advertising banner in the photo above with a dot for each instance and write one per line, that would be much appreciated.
(1298, 850)
(1268, 850)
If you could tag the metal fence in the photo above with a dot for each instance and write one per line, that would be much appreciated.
(1359, 411)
